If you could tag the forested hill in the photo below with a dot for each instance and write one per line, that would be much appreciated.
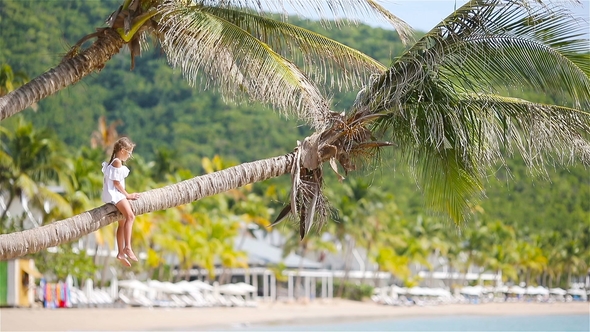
(159, 110)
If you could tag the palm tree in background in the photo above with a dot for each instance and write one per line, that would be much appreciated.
(302, 248)
(9, 79)
(164, 246)
(31, 161)
(105, 136)
(498, 249)
(355, 207)
(446, 105)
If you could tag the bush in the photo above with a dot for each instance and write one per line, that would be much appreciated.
(354, 291)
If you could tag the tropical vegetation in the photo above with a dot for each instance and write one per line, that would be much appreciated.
(443, 104)
(207, 234)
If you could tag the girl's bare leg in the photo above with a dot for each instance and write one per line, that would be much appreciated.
(121, 243)
(125, 209)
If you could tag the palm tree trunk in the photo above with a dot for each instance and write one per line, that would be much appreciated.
(106, 265)
(367, 262)
(68, 72)
(299, 269)
(161, 271)
(33, 240)
(347, 259)
(5, 212)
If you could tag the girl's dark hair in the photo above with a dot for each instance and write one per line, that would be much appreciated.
(121, 144)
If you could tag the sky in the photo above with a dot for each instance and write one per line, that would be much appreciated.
(423, 15)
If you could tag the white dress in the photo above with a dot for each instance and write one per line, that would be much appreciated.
(110, 194)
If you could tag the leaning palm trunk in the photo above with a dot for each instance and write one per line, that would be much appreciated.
(72, 69)
(33, 240)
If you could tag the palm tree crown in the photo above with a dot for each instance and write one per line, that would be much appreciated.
(450, 105)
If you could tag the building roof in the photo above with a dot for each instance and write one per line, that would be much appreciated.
(262, 254)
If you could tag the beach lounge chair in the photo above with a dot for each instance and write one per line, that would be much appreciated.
(178, 301)
(198, 299)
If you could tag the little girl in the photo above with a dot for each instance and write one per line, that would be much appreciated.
(113, 192)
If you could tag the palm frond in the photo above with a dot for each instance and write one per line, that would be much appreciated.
(323, 58)
(337, 10)
(46, 196)
(488, 43)
(230, 57)
(537, 47)
(441, 101)
(452, 142)
(542, 133)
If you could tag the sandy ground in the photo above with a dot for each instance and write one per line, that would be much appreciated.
(161, 319)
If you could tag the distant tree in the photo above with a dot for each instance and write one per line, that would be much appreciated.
(9, 80)
(105, 135)
(31, 161)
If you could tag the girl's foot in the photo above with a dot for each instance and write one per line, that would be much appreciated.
(123, 259)
(130, 254)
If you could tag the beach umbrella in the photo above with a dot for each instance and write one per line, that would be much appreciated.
(501, 289)
(557, 291)
(419, 291)
(165, 287)
(516, 290)
(530, 290)
(472, 290)
(415, 291)
(398, 290)
(172, 288)
(440, 292)
(542, 290)
(246, 287)
(201, 285)
(186, 286)
(134, 284)
(231, 289)
(576, 292)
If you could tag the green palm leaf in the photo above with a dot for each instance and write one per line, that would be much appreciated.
(434, 106)
(536, 47)
(230, 57)
(487, 43)
(323, 58)
(56, 201)
(340, 11)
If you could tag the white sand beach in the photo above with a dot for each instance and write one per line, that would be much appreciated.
(161, 319)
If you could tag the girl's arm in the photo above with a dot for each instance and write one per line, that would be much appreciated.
(124, 192)
(117, 163)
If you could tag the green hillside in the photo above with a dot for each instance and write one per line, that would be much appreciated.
(159, 109)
